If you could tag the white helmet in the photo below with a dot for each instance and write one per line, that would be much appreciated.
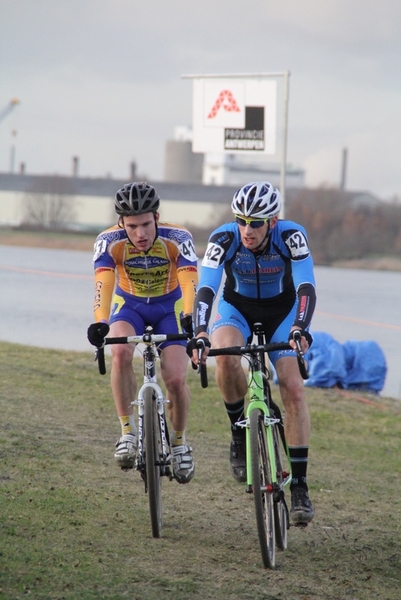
(259, 200)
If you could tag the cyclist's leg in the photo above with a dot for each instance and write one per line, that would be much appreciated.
(297, 419)
(292, 391)
(174, 367)
(232, 381)
(297, 424)
(124, 321)
(173, 358)
(123, 381)
(230, 329)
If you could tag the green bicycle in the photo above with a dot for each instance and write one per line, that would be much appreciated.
(267, 459)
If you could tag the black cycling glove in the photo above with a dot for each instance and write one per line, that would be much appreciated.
(187, 325)
(97, 332)
(192, 344)
(304, 334)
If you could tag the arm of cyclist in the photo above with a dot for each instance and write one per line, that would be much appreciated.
(104, 287)
(219, 243)
(202, 311)
(306, 305)
(188, 279)
(187, 275)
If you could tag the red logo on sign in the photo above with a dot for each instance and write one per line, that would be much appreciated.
(225, 100)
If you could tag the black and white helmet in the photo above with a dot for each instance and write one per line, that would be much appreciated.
(259, 200)
(136, 199)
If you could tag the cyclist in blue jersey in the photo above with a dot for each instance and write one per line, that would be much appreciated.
(269, 279)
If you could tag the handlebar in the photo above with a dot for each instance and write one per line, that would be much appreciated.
(249, 349)
(252, 349)
(148, 338)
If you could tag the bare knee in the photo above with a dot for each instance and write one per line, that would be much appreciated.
(122, 356)
(174, 384)
(228, 365)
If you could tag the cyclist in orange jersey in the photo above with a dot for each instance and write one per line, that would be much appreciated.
(145, 274)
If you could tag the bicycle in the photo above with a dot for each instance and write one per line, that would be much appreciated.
(154, 457)
(267, 458)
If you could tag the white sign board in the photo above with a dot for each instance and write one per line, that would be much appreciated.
(236, 116)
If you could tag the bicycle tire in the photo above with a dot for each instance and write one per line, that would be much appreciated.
(262, 487)
(281, 521)
(152, 457)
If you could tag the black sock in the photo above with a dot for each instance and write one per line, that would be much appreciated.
(299, 463)
(235, 413)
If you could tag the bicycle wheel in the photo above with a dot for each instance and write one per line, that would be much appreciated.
(280, 507)
(152, 457)
(262, 487)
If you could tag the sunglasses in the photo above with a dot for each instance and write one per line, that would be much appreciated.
(253, 223)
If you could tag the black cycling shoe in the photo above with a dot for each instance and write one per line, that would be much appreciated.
(238, 458)
(301, 512)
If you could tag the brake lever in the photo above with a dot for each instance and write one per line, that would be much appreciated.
(202, 370)
(302, 365)
(296, 336)
(99, 356)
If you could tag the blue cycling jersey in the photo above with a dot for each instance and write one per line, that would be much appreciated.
(271, 278)
(285, 262)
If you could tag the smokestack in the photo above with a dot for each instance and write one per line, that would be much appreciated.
(133, 171)
(344, 169)
(75, 166)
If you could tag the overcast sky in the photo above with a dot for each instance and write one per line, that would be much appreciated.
(102, 80)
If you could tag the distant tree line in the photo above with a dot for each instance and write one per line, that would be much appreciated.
(337, 230)
(49, 205)
(338, 225)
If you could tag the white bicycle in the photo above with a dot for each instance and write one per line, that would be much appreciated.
(154, 457)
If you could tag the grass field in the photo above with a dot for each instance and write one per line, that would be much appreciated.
(73, 526)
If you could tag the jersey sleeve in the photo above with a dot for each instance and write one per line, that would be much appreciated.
(188, 280)
(296, 242)
(187, 269)
(104, 288)
(213, 261)
(104, 266)
(220, 243)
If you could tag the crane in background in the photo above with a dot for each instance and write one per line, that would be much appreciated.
(10, 106)
(3, 114)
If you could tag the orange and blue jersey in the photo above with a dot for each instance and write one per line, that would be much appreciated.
(168, 268)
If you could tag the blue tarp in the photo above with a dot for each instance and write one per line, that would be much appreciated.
(353, 365)
(366, 365)
(326, 362)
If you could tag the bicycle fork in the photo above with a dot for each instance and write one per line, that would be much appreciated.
(164, 456)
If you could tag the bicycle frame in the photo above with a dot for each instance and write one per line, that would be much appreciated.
(153, 459)
(259, 399)
(150, 380)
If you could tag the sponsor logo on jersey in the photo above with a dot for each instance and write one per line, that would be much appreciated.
(148, 262)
